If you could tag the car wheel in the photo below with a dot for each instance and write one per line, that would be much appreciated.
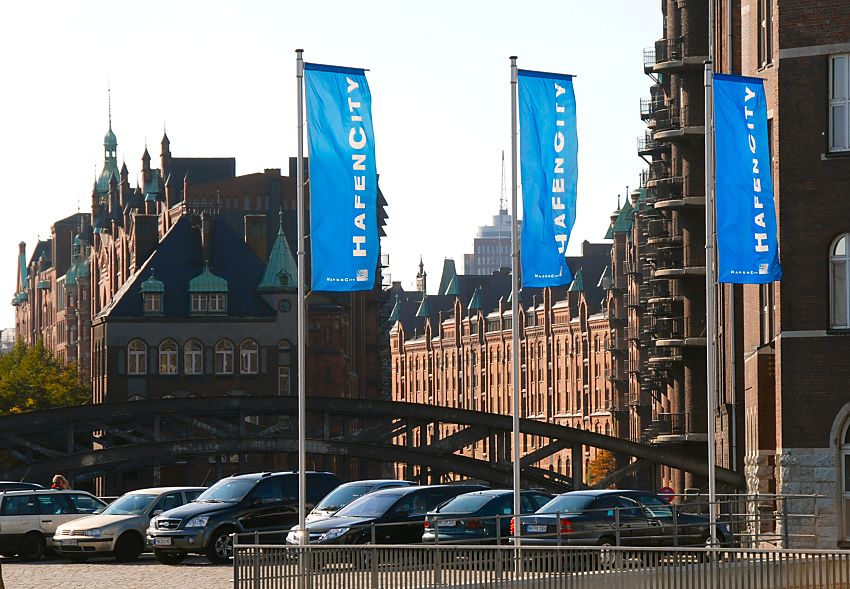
(128, 547)
(166, 557)
(32, 546)
(220, 547)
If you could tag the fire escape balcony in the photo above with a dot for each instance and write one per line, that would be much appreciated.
(671, 263)
(649, 147)
(675, 123)
(675, 54)
(679, 332)
(649, 106)
(667, 428)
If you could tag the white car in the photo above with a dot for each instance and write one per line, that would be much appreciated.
(28, 519)
(119, 529)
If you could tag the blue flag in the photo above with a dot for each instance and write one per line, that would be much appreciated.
(548, 157)
(747, 247)
(343, 179)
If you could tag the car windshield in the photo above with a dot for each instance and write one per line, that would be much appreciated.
(133, 504)
(342, 496)
(226, 491)
(567, 504)
(465, 504)
(368, 506)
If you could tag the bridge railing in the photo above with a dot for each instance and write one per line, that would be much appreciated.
(574, 567)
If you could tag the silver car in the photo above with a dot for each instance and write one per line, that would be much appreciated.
(119, 529)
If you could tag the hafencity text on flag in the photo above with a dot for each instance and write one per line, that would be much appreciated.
(747, 246)
(343, 179)
(548, 158)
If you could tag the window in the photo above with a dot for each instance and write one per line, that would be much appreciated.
(839, 102)
(218, 303)
(765, 32)
(20, 505)
(199, 303)
(168, 357)
(153, 302)
(84, 503)
(248, 355)
(224, 357)
(193, 357)
(137, 357)
(283, 381)
(838, 280)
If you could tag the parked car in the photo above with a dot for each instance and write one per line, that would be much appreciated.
(259, 502)
(479, 517)
(398, 515)
(586, 518)
(18, 486)
(119, 529)
(348, 492)
(28, 519)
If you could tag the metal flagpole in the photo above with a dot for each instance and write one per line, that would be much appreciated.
(710, 281)
(302, 310)
(515, 305)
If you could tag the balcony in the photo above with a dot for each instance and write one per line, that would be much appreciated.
(676, 54)
(648, 147)
(670, 263)
(650, 105)
(680, 332)
(679, 122)
(677, 427)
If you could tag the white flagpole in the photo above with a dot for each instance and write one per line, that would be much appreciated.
(710, 280)
(515, 305)
(302, 311)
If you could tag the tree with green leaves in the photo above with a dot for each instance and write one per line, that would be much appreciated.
(32, 378)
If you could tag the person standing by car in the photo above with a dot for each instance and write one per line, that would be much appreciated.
(61, 483)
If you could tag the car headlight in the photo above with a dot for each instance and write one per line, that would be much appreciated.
(96, 532)
(199, 521)
(294, 536)
(334, 533)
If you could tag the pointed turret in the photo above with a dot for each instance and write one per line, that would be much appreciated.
(423, 307)
(452, 288)
(165, 155)
(421, 277)
(281, 272)
(578, 283)
(395, 314)
(475, 301)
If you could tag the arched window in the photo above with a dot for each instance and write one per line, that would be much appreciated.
(284, 359)
(248, 357)
(137, 357)
(224, 357)
(168, 357)
(839, 279)
(193, 357)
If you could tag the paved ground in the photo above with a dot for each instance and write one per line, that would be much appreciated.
(147, 573)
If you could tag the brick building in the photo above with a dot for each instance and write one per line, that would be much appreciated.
(453, 349)
(186, 286)
(792, 345)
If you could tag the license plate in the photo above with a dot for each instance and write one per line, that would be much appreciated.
(162, 541)
(535, 529)
(67, 543)
(446, 523)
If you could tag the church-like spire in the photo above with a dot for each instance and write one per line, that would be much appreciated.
(282, 271)
(110, 153)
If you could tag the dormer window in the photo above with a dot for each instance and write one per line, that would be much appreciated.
(152, 291)
(208, 294)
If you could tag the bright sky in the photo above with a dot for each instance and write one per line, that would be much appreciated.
(221, 76)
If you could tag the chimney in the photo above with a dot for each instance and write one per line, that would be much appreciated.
(256, 235)
(145, 233)
(206, 235)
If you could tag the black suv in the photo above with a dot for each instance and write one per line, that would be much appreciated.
(242, 503)
(397, 514)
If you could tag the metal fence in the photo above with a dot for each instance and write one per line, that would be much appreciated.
(412, 566)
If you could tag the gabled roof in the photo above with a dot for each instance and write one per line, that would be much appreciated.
(578, 282)
(178, 258)
(449, 274)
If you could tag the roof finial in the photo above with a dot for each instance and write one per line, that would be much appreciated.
(280, 221)
(109, 100)
(618, 202)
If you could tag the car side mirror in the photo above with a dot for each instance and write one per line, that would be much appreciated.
(156, 513)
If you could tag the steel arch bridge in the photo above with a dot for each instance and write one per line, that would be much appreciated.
(93, 440)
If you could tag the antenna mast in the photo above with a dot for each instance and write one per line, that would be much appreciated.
(502, 204)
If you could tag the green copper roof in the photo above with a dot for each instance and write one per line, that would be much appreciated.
(449, 274)
(282, 271)
(206, 281)
(475, 301)
(423, 308)
(83, 269)
(624, 221)
(605, 279)
(578, 283)
(71, 276)
(153, 285)
(395, 314)
(451, 289)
